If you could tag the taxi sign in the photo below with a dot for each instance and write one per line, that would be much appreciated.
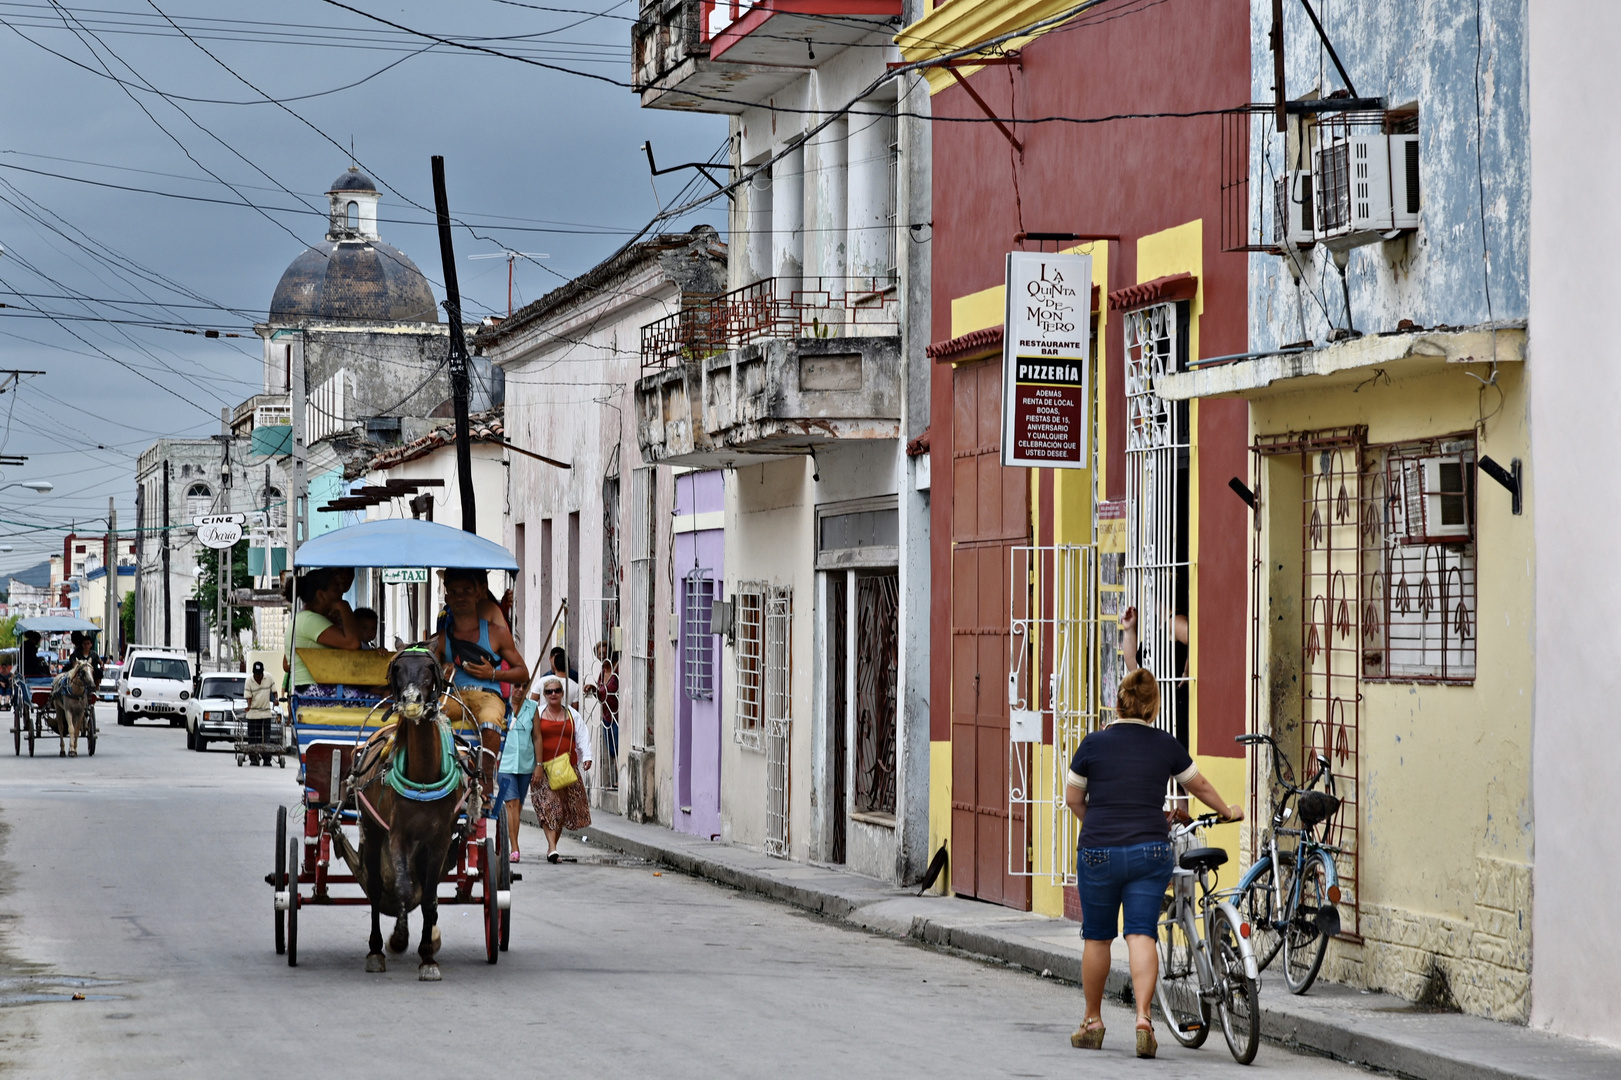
(405, 575)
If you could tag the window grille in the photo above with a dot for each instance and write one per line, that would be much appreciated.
(1156, 502)
(698, 645)
(638, 701)
(877, 685)
(749, 660)
(779, 615)
(1419, 621)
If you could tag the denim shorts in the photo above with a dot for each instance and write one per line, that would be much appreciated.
(1111, 878)
(512, 786)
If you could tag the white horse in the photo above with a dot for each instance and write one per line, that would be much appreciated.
(73, 694)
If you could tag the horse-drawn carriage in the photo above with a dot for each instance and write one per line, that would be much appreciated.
(391, 786)
(61, 707)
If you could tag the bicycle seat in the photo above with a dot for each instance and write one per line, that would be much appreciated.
(1202, 858)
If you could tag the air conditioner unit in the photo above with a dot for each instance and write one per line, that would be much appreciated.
(1292, 216)
(1370, 183)
(1404, 189)
(1433, 497)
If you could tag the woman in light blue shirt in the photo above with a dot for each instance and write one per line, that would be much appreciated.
(516, 769)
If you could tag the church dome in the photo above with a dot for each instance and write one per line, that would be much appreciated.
(355, 281)
(353, 276)
(352, 179)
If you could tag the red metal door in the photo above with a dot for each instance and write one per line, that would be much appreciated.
(990, 515)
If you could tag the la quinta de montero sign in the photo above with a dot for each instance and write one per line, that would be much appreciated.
(1046, 355)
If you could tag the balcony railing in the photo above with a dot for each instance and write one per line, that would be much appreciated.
(663, 37)
(773, 308)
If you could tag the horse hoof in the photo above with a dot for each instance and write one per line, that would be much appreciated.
(61, 753)
(428, 973)
(73, 753)
(375, 962)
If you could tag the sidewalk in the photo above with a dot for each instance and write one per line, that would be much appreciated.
(1374, 1030)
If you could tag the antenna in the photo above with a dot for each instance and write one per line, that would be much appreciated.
(509, 256)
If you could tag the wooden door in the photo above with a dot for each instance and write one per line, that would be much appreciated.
(990, 515)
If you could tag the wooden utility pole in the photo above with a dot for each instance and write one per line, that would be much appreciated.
(460, 385)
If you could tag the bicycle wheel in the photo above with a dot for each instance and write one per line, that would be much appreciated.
(1258, 906)
(1186, 1013)
(1238, 999)
(1303, 942)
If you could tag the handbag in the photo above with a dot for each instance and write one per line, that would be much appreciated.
(560, 769)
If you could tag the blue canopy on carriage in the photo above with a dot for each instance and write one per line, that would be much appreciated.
(403, 542)
(55, 624)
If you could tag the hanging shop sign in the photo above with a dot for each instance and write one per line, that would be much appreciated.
(1046, 343)
(219, 534)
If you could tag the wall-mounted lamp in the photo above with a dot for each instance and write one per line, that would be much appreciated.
(1509, 477)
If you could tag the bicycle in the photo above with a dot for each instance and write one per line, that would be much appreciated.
(1213, 968)
(1290, 897)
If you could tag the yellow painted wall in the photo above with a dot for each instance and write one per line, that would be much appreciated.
(940, 805)
(1445, 818)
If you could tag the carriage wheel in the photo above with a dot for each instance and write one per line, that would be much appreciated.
(492, 913)
(16, 734)
(90, 732)
(503, 879)
(32, 725)
(278, 879)
(292, 902)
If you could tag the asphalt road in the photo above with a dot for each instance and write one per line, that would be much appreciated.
(136, 878)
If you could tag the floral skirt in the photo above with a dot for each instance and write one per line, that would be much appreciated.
(568, 808)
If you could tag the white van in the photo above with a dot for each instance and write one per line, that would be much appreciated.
(154, 683)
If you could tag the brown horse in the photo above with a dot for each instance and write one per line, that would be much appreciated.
(73, 695)
(409, 812)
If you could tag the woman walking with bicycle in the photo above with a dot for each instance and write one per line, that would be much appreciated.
(1116, 789)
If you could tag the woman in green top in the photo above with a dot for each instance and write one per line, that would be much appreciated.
(324, 621)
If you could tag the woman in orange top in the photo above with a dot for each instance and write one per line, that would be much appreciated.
(559, 730)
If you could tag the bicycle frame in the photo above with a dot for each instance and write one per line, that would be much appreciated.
(1197, 914)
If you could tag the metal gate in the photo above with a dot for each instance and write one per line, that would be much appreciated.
(1052, 699)
(1340, 523)
(1156, 495)
(779, 617)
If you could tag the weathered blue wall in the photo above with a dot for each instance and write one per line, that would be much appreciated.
(1407, 51)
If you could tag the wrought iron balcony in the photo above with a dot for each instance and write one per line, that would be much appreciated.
(768, 370)
(812, 307)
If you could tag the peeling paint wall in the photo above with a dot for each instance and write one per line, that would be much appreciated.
(1424, 52)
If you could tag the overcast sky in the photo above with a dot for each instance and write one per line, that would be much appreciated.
(541, 161)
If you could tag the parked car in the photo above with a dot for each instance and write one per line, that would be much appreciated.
(108, 690)
(154, 683)
(217, 711)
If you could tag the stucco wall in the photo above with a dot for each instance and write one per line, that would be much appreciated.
(1576, 985)
(1423, 51)
(1445, 827)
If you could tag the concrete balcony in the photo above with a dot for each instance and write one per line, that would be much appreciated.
(768, 371)
(720, 56)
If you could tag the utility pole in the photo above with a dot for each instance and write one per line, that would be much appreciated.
(460, 386)
(109, 626)
(222, 581)
(139, 631)
(163, 537)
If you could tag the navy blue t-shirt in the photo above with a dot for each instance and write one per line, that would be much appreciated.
(1124, 769)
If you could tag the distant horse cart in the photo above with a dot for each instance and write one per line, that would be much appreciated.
(61, 707)
(389, 785)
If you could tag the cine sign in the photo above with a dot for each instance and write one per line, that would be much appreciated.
(405, 576)
(1046, 356)
(220, 534)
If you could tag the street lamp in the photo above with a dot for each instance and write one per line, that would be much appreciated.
(39, 486)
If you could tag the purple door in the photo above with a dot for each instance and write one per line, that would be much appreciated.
(699, 555)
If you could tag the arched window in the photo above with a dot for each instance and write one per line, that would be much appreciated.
(199, 500)
(354, 215)
(278, 507)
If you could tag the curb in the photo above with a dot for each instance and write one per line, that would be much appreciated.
(1369, 1030)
